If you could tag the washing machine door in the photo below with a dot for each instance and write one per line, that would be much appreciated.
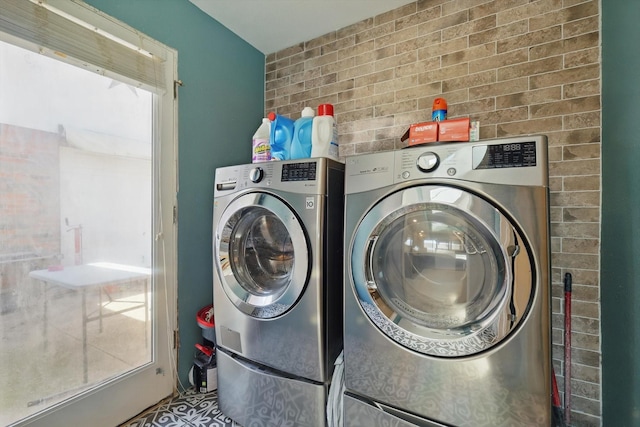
(441, 271)
(262, 255)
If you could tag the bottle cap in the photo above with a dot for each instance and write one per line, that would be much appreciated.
(439, 104)
(325, 110)
(272, 116)
(307, 112)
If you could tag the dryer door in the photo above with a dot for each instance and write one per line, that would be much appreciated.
(441, 271)
(262, 255)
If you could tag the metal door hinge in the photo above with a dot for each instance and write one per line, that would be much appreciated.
(175, 215)
(176, 83)
(176, 339)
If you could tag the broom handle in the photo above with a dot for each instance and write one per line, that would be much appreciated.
(567, 348)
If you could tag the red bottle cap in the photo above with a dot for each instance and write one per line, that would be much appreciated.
(271, 116)
(325, 110)
(439, 104)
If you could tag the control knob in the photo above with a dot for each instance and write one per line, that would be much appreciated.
(256, 174)
(428, 162)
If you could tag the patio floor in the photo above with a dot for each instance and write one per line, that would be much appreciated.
(42, 355)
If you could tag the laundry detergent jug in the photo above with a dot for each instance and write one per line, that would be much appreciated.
(301, 143)
(281, 135)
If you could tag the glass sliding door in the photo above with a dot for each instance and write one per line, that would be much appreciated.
(87, 239)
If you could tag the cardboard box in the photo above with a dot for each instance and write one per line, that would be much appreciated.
(420, 133)
(474, 132)
(454, 130)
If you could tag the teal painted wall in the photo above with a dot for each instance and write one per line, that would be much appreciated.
(222, 102)
(220, 106)
(620, 250)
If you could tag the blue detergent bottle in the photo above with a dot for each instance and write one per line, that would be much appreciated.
(301, 143)
(281, 135)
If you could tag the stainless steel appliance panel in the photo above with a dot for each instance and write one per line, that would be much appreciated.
(358, 413)
(254, 396)
(505, 382)
(293, 325)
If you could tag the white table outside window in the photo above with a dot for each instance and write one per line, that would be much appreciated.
(96, 276)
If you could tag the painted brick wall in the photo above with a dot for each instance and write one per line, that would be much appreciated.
(518, 66)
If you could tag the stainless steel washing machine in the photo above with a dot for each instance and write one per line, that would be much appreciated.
(277, 249)
(447, 276)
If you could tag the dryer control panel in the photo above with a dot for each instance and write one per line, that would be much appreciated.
(509, 155)
(512, 161)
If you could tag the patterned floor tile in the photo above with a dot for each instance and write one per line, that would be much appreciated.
(200, 410)
(189, 409)
(160, 418)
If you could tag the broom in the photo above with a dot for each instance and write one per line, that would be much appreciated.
(567, 348)
(557, 416)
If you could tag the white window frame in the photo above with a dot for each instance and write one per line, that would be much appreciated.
(118, 400)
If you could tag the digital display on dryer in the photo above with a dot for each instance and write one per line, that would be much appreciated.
(305, 171)
(511, 155)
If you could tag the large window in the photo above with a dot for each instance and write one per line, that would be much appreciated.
(87, 194)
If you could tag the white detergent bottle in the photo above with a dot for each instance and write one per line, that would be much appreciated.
(261, 147)
(301, 143)
(324, 134)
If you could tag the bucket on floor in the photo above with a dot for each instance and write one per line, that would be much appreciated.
(205, 370)
(205, 320)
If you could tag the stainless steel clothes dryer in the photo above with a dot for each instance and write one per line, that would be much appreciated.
(277, 248)
(447, 306)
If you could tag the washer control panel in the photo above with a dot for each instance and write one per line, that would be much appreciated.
(302, 171)
(301, 176)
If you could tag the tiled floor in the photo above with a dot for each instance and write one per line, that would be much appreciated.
(190, 409)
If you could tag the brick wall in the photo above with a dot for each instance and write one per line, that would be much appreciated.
(29, 210)
(518, 66)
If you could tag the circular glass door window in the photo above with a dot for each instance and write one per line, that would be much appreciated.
(434, 268)
(262, 255)
(432, 265)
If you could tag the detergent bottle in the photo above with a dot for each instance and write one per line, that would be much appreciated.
(281, 135)
(261, 148)
(301, 143)
(324, 134)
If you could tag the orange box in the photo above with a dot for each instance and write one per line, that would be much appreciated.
(454, 130)
(419, 133)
